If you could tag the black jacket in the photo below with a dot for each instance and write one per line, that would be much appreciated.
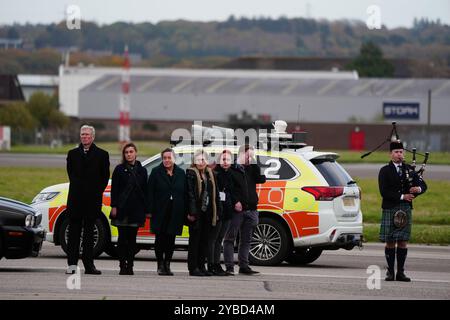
(160, 188)
(130, 203)
(245, 179)
(88, 176)
(225, 184)
(195, 199)
(392, 186)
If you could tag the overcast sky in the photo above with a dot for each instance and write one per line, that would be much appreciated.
(394, 13)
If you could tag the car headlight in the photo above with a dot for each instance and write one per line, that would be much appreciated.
(30, 220)
(44, 196)
(38, 220)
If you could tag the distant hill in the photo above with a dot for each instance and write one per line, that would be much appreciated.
(207, 44)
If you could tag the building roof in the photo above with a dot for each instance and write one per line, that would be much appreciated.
(273, 86)
(215, 95)
(37, 80)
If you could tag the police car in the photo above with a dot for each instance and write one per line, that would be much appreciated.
(308, 204)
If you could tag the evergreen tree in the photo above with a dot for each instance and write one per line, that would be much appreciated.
(370, 62)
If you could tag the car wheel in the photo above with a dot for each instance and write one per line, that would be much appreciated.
(269, 244)
(304, 256)
(100, 234)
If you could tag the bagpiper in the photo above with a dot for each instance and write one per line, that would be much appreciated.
(399, 185)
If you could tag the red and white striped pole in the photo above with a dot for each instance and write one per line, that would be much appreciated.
(124, 106)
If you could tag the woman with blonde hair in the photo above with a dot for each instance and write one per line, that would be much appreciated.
(204, 210)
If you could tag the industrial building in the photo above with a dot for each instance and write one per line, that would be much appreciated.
(164, 99)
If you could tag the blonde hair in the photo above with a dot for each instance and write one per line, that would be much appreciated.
(197, 153)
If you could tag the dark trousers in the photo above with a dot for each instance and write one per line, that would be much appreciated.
(198, 244)
(242, 223)
(164, 246)
(127, 244)
(217, 234)
(76, 224)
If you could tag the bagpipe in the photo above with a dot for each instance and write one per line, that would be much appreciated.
(411, 177)
(411, 172)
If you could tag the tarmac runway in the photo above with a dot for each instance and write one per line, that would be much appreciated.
(337, 274)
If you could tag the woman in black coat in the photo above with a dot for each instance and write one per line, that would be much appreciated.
(129, 205)
(167, 198)
(204, 212)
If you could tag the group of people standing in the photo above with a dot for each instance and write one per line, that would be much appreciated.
(216, 202)
(215, 198)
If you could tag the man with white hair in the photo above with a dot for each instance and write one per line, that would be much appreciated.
(88, 171)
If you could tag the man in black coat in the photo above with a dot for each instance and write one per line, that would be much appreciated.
(246, 174)
(398, 185)
(88, 171)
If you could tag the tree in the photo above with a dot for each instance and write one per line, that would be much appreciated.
(370, 62)
(17, 116)
(12, 33)
(44, 109)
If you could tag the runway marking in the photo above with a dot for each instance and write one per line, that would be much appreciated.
(434, 256)
(255, 277)
(341, 277)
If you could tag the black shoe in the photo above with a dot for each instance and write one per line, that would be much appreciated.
(196, 273)
(218, 271)
(402, 277)
(129, 269)
(211, 269)
(123, 268)
(92, 270)
(247, 270)
(229, 272)
(205, 272)
(389, 275)
(123, 271)
(167, 268)
(161, 270)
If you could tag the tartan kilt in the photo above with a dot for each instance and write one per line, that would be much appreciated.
(388, 232)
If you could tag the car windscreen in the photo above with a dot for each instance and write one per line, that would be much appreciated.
(333, 173)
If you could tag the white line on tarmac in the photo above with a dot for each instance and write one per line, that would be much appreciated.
(304, 275)
(341, 277)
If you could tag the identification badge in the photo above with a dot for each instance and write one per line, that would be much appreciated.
(223, 196)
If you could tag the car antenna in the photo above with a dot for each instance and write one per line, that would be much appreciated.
(298, 117)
